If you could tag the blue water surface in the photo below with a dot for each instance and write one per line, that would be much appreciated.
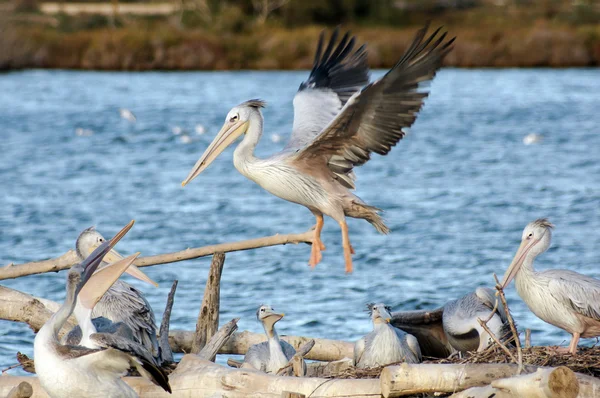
(456, 192)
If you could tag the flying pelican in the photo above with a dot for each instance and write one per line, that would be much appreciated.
(122, 302)
(339, 120)
(454, 327)
(76, 371)
(127, 115)
(563, 298)
(385, 344)
(273, 354)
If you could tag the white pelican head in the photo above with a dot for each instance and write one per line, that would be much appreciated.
(380, 313)
(534, 241)
(236, 124)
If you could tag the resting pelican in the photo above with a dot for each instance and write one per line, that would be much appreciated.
(273, 354)
(562, 298)
(385, 344)
(76, 371)
(454, 327)
(339, 120)
(122, 302)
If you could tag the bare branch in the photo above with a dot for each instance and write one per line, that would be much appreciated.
(511, 322)
(69, 259)
(166, 354)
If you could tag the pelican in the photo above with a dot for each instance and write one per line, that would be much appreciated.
(563, 298)
(339, 120)
(127, 115)
(76, 371)
(455, 327)
(385, 344)
(122, 302)
(273, 354)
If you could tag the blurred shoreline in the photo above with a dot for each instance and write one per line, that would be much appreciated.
(486, 37)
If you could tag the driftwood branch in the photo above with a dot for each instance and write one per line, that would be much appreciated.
(297, 361)
(208, 316)
(69, 259)
(496, 340)
(210, 350)
(558, 382)
(166, 354)
(21, 307)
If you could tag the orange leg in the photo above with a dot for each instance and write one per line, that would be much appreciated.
(348, 250)
(317, 245)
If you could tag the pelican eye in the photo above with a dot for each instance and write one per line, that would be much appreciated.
(233, 118)
(530, 235)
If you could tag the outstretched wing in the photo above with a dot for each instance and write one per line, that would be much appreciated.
(428, 329)
(372, 120)
(140, 357)
(336, 75)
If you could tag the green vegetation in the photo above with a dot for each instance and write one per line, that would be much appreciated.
(281, 34)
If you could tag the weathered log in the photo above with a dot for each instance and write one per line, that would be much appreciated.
(558, 382)
(324, 349)
(328, 369)
(289, 394)
(23, 390)
(166, 354)
(70, 258)
(208, 316)
(21, 307)
(409, 379)
(210, 349)
(297, 361)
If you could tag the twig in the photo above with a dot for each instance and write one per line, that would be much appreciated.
(17, 365)
(233, 363)
(493, 336)
(299, 356)
(166, 354)
(511, 322)
(70, 258)
(527, 338)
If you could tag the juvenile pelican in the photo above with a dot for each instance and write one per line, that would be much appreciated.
(273, 354)
(122, 302)
(76, 371)
(385, 344)
(562, 298)
(339, 120)
(454, 327)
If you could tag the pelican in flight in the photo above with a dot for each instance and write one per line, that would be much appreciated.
(455, 327)
(339, 120)
(76, 371)
(385, 344)
(122, 302)
(563, 298)
(273, 354)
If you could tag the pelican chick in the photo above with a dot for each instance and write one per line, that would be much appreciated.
(563, 298)
(454, 327)
(273, 354)
(122, 302)
(385, 344)
(76, 371)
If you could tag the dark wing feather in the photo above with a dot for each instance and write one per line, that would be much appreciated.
(337, 73)
(427, 327)
(372, 120)
(141, 357)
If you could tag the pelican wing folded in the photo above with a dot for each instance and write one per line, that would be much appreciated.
(338, 72)
(580, 292)
(140, 357)
(372, 120)
(428, 329)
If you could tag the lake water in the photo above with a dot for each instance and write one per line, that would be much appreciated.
(457, 192)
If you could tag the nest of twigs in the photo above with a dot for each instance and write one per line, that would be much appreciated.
(587, 361)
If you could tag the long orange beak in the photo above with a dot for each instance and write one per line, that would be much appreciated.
(228, 134)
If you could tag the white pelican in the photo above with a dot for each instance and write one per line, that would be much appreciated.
(76, 371)
(454, 327)
(562, 298)
(339, 120)
(127, 115)
(385, 344)
(273, 354)
(122, 302)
